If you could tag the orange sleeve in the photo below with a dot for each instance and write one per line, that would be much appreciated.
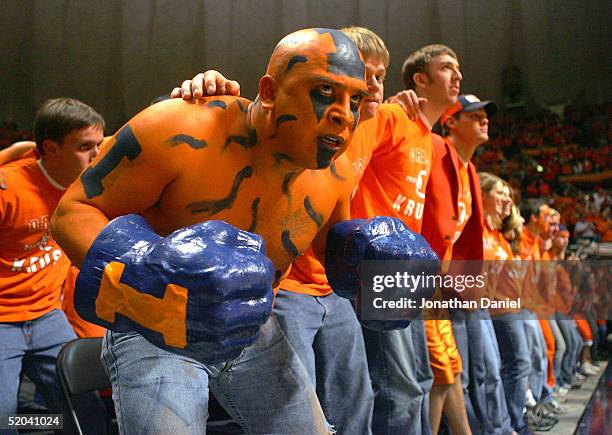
(80, 326)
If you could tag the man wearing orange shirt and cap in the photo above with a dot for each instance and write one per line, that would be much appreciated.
(453, 224)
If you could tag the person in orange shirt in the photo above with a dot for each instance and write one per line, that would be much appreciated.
(394, 357)
(537, 227)
(33, 328)
(509, 325)
(453, 224)
(82, 328)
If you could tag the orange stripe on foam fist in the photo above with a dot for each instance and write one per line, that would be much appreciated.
(166, 316)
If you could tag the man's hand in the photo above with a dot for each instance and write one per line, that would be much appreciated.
(409, 101)
(203, 291)
(206, 84)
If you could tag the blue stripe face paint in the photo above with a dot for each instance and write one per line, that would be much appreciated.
(324, 155)
(355, 112)
(320, 103)
(345, 61)
(126, 145)
(294, 60)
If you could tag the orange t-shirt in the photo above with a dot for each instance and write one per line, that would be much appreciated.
(392, 183)
(32, 265)
(505, 272)
(464, 205)
(530, 252)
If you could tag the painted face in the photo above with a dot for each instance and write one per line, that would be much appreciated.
(444, 80)
(375, 78)
(472, 127)
(495, 200)
(321, 89)
(77, 150)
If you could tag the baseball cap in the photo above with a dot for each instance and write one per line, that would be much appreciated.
(469, 103)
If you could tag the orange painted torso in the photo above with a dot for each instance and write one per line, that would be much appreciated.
(190, 170)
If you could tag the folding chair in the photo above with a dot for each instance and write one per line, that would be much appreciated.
(80, 371)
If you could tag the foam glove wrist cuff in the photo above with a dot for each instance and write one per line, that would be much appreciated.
(123, 239)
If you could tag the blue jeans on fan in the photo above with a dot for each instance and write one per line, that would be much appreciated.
(266, 389)
(515, 364)
(398, 362)
(573, 344)
(466, 324)
(480, 378)
(539, 358)
(32, 347)
(560, 348)
(497, 408)
(325, 333)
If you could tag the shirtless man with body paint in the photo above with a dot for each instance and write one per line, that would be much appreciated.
(185, 287)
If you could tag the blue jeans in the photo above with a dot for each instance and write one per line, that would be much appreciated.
(567, 362)
(32, 347)
(482, 384)
(266, 389)
(497, 408)
(515, 364)
(401, 377)
(539, 357)
(326, 335)
(468, 337)
(560, 349)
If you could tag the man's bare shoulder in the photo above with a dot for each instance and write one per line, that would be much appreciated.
(197, 126)
(180, 113)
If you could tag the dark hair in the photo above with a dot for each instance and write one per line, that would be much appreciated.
(530, 207)
(418, 62)
(59, 116)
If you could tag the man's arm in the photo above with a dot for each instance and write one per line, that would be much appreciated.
(16, 151)
(127, 177)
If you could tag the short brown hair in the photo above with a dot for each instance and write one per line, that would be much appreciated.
(369, 43)
(59, 116)
(418, 62)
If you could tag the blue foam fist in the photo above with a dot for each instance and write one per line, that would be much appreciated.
(202, 291)
(350, 243)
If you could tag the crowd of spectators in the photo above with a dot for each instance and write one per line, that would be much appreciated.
(562, 157)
